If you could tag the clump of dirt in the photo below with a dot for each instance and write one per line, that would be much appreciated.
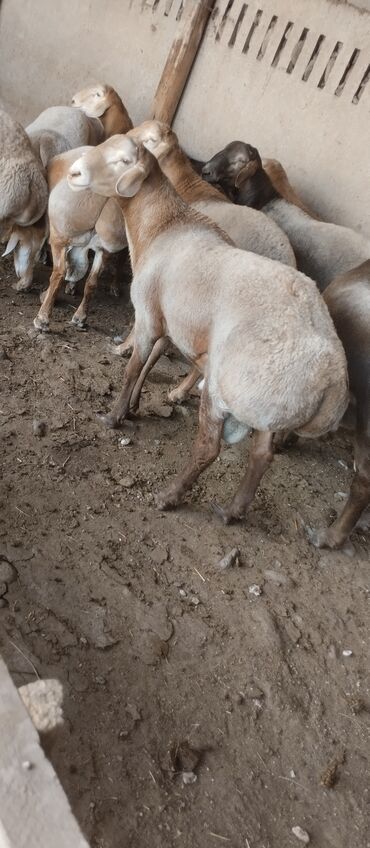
(162, 652)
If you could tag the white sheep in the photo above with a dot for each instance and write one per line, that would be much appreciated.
(23, 187)
(322, 250)
(257, 329)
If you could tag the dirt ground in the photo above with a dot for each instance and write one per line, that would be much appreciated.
(200, 711)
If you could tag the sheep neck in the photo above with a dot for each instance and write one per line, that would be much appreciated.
(256, 191)
(156, 208)
(189, 185)
(116, 119)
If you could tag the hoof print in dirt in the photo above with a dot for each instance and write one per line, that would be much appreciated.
(184, 760)
(39, 428)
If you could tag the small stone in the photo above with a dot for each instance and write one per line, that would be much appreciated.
(194, 600)
(189, 777)
(343, 464)
(126, 482)
(340, 496)
(347, 653)
(230, 559)
(182, 593)
(292, 774)
(301, 834)
(39, 428)
(125, 441)
(100, 680)
(255, 589)
(117, 340)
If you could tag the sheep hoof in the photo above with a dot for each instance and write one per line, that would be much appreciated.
(22, 285)
(326, 538)
(109, 420)
(167, 499)
(176, 397)
(80, 323)
(41, 324)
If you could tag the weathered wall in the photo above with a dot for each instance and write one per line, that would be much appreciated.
(51, 48)
(287, 75)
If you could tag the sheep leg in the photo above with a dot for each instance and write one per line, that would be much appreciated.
(127, 345)
(41, 322)
(143, 347)
(205, 451)
(80, 316)
(181, 391)
(260, 457)
(159, 348)
(359, 498)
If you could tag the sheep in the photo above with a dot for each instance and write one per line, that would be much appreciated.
(257, 329)
(61, 128)
(23, 187)
(348, 300)
(322, 250)
(55, 130)
(96, 113)
(27, 244)
(103, 102)
(77, 227)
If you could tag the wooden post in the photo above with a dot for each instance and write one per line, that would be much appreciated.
(34, 811)
(180, 59)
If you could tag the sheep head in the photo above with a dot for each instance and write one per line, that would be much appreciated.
(93, 101)
(233, 165)
(117, 166)
(156, 137)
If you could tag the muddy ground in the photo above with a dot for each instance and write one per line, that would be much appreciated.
(168, 663)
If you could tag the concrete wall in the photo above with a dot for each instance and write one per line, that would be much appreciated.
(246, 83)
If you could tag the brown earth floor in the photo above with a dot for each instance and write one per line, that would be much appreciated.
(154, 644)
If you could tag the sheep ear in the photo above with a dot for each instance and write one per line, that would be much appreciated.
(246, 172)
(131, 181)
(12, 244)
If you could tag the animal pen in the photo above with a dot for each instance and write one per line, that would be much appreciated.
(292, 77)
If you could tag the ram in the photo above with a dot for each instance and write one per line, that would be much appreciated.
(257, 329)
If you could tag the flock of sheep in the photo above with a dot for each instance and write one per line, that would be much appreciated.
(269, 304)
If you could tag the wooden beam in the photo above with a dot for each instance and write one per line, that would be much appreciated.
(180, 59)
(34, 811)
